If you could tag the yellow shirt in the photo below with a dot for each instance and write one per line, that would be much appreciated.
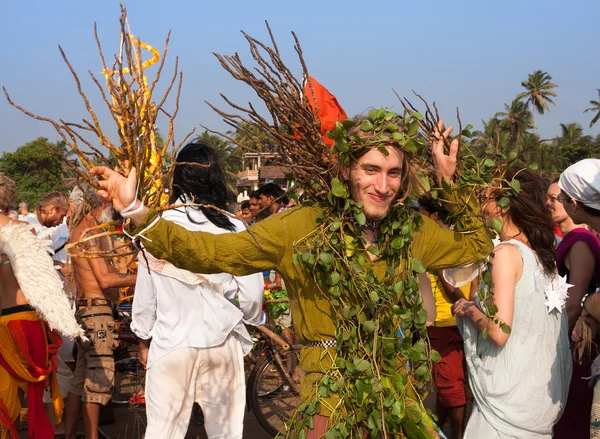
(443, 304)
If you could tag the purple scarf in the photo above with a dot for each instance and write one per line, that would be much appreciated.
(571, 238)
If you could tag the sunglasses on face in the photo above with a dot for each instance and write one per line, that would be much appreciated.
(561, 198)
(553, 198)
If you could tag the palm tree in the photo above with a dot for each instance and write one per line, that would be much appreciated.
(539, 92)
(67, 155)
(517, 118)
(595, 148)
(254, 139)
(573, 144)
(230, 162)
(595, 107)
(225, 150)
(547, 156)
(491, 140)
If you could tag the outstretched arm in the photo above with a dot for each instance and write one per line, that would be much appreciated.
(240, 253)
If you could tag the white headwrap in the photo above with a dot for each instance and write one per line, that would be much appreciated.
(581, 182)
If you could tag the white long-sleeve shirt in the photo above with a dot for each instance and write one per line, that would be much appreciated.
(180, 309)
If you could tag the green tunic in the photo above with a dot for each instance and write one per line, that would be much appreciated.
(312, 313)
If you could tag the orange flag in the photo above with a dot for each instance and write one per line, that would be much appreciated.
(330, 111)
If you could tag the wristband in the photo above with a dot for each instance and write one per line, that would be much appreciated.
(583, 300)
(128, 208)
(127, 213)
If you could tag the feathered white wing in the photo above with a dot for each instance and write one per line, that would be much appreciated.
(38, 279)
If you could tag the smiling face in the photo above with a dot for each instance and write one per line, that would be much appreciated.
(559, 214)
(375, 181)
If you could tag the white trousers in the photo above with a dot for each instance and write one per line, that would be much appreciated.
(212, 377)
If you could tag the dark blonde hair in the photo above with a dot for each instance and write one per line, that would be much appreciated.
(54, 199)
(8, 192)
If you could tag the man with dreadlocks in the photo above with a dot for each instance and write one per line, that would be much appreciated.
(376, 178)
(97, 283)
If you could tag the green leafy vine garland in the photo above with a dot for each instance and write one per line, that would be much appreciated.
(383, 359)
(377, 376)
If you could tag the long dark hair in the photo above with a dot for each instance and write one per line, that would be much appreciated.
(529, 212)
(203, 184)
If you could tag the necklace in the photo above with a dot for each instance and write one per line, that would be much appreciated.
(368, 225)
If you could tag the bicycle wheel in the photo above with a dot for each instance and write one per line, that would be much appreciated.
(127, 401)
(130, 377)
(273, 399)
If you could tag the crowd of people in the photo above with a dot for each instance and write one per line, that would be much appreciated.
(85, 372)
(179, 318)
(201, 277)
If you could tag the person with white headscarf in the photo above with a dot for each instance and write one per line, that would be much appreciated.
(580, 185)
(580, 198)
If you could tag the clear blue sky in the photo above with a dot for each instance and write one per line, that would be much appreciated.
(470, 54)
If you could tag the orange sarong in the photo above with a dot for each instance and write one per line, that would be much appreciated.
(27, 362)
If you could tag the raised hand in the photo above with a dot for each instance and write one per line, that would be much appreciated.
(445, 165)
(117, 188)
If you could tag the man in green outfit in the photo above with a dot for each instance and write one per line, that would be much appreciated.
(374, 179)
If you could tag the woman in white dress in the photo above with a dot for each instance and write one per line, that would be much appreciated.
(520, 379)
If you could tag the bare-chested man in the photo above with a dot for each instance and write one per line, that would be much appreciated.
(26, 364)
(98, 285)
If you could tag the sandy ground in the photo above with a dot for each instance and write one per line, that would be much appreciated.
(127, 423)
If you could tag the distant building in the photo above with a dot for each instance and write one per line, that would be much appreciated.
(257, 169)
(273, 174)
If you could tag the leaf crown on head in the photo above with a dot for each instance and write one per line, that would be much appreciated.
(381, 129)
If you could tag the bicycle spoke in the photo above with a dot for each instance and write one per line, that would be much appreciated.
(274, 400)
